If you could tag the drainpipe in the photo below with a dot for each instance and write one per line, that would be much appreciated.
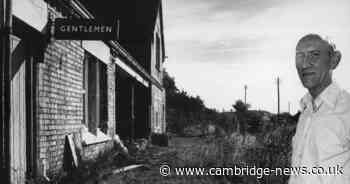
(6, 31)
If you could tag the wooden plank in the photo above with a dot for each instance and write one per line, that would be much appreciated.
(22, 130)
(15, 128)
(18, 127)
(127, 168)
(72, 149)
(20, 124)
(12, 126)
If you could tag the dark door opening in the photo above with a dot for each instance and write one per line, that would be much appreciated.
(132, 103)
(123, 105)
(142, 128)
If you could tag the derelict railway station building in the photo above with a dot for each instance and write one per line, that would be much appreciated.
(87, 91)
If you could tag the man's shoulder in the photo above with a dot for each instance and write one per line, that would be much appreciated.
(338, 112)
(337, 120)
(342, 109)
(343, 102)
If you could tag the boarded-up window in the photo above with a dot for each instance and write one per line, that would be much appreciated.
(157, 120)
(96, 96)
(103, 98)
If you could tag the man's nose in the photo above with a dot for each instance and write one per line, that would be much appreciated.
(306, 62)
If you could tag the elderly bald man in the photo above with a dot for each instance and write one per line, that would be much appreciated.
(321, 144)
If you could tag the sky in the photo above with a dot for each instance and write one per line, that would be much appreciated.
(215, 47)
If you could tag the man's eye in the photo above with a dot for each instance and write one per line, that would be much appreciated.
(299, 55)
(315, 54)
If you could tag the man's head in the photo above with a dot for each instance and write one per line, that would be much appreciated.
(315, 60)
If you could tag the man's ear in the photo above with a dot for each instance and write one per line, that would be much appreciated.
(335, 59)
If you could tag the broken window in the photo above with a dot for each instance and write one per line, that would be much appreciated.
(103, 98)
(96, 94)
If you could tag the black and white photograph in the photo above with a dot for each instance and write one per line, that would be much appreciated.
(175, 91)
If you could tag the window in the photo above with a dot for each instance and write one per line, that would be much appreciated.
(103, 97)
(157, 122)
(96, 95)
(158, 58)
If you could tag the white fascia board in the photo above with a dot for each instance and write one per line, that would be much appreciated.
(102, 52)
(32, 12)
(98, 49)
(131, 72)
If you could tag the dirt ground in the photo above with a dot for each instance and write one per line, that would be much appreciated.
(181, 152)
(186, 152)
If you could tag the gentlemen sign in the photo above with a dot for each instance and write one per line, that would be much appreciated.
(84, 29)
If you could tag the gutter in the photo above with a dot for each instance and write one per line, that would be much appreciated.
(134, 63)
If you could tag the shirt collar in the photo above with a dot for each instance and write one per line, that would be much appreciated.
(327, 96)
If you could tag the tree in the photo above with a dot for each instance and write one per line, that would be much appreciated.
(169, 84)
(183, 109)
(241, 113)
(241, 106)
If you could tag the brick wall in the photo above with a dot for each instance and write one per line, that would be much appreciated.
(111, 99)
(158, 96)
(60, 99)
(60, 103)
(158, 124)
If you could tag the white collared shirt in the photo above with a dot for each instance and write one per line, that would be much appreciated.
(322, 137)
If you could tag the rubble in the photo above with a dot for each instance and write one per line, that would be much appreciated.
(119, 144)
(127, 168)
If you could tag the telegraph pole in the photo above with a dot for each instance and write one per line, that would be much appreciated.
(289, 107)
(245, 94)
(278, 95)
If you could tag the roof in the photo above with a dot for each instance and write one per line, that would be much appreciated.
(137, 20)
(80, 10)
(137, 17)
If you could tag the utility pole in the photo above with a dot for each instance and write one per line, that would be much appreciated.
(289, 107)
(278, 95)
(245, 94)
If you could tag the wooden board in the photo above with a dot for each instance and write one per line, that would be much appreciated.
(18, 114)
(18, 127)
(72, 149)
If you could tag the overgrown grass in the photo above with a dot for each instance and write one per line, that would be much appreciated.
(270, 149)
